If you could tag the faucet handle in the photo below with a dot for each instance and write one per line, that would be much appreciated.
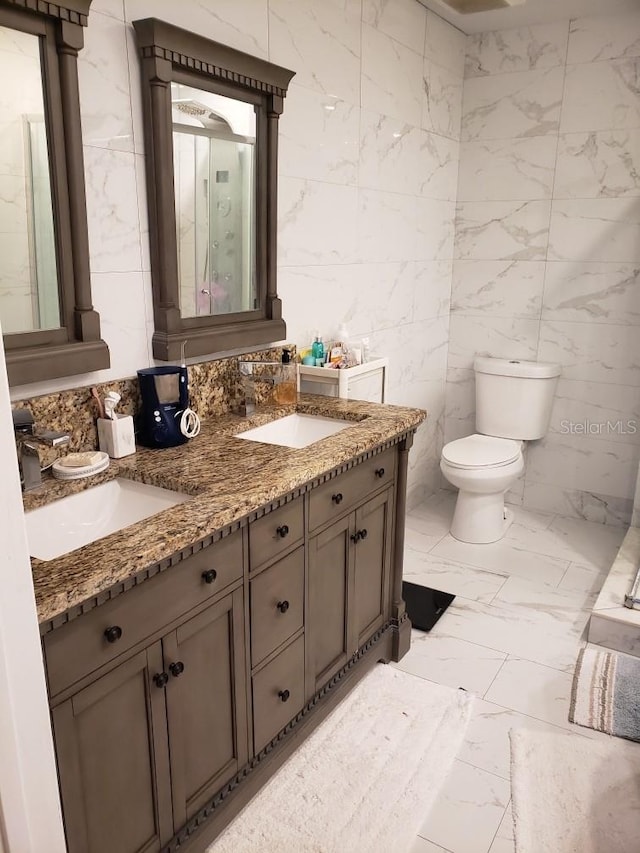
(22, 421)
(52, 438)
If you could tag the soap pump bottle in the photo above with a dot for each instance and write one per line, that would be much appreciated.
(287, 388)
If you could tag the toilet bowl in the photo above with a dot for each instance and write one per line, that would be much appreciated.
(513, 405)
(483, 468)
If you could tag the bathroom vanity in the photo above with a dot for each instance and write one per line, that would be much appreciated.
(187, 656)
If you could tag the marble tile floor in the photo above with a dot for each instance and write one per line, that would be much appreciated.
(511, 637)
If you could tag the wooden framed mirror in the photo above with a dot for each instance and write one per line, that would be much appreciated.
(49, 325)
(211, 136)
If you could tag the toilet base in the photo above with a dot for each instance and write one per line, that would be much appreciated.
(480, 518)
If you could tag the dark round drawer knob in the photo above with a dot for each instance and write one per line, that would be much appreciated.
(363, 533)
(282, 531)
(284, 695)
(355, 536)
(113, 634)
(176, 668)
(209, 576)
(283, 606)
(380, 472)
(337, 499)
(160, 679)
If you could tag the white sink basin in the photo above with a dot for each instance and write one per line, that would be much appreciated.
(295, 430)
(74, 521)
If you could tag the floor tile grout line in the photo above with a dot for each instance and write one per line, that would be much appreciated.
(484, 770)
(574, 730)
(499, 825)
(494, 678)
(499, 651)
(495, 571)
(509, 604)
(537, 663)
(563, 576)
(424, 838)
(498, 591)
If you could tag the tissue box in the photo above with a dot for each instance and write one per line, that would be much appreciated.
(116, 437)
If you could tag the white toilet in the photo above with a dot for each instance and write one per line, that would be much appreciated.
(513, 405)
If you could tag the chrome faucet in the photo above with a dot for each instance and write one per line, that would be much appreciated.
(27, 447)
(249, 376)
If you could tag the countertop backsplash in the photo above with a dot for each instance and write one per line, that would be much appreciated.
(214, 390)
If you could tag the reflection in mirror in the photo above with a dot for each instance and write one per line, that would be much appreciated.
(29, 298)
(214, 179)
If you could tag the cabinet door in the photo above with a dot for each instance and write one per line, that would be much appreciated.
(206, 703)
(329, 643)
(113, 761)
(372, 562)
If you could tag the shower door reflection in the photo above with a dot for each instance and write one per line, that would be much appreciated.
(29, 294)
(214, 191)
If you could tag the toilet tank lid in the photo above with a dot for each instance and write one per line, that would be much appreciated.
(516, 367)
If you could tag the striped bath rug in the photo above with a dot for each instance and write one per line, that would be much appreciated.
(604, 696)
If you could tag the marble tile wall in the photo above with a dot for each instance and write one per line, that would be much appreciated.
(547, 249)
(369, 150)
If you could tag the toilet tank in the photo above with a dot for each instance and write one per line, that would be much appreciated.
(514, 397)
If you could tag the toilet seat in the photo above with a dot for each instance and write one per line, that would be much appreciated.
(481, 451)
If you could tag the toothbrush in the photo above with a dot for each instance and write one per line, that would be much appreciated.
(96, 396)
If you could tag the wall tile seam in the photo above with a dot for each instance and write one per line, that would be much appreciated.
(391, 38)
(113, 17)
(479, 313)
(358, 263)
(620, 60)
(423, 54)
(459, 78)
(364, 187)
(409, 125)
(539, 71)
(318, 94)
(528, 482)
(369, 188)
(491, 315)
(431, 14)
(557, 438)
(551, 198)
(562, 134)
(611, 60)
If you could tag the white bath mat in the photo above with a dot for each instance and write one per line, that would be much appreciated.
(365, 779)
(573, 794)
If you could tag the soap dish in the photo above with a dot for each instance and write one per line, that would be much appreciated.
(63, 472)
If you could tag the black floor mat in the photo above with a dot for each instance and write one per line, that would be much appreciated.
(424, 605)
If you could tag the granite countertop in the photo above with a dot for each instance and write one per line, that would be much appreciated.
(227, 478)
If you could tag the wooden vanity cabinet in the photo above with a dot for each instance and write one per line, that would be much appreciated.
(143, 746)
(165, 728)
(206, 704)
(349, 569)
(113, 760)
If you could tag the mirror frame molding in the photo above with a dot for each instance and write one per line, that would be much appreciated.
(170, 54)
(76, 347)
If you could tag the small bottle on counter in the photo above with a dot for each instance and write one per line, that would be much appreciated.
(318, 352)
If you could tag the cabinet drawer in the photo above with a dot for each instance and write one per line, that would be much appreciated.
(339, 495)
(275, 532)
(277, 605)
(278, 693)
(82, 646)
